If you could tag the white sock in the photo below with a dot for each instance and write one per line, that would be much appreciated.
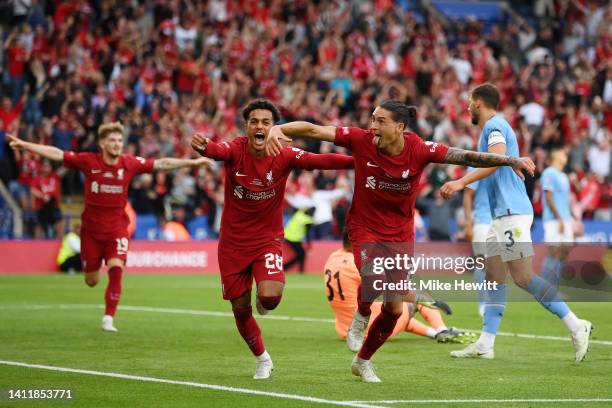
(263, 357)
(441, 328)
(572, 322)
(486, 341)
(431, 332)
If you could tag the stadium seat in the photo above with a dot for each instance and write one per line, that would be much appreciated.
(146, 227)
(198, 228)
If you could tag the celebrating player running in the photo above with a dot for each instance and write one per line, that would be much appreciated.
(104, 224)
(250, 243)
(389, 161)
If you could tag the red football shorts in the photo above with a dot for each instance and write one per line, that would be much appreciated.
(98, 248)
(240, 265)
(368, 250)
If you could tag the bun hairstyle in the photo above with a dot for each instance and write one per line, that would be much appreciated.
(400, 112)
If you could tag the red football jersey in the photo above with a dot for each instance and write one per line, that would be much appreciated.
(386, 186)
(106, 189)
(255, 188)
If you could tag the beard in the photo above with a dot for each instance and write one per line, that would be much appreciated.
(474, 120)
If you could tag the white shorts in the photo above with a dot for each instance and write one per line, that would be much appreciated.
(510, 238)
(479, 238)
(552, 234)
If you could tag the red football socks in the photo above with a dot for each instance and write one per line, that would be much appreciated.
(365, 308)
(113, 290)
(249, 329)
(379, 332)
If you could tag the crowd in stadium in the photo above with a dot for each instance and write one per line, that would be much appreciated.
(170, 68)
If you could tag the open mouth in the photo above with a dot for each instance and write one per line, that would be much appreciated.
(260, 136)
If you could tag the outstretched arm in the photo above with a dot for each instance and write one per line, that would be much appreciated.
(490, 161)
(169, 163)
(48, 152)
(326, 161)
(280, 134)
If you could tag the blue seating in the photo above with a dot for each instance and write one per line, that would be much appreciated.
(198, 228)
(489, 12)
(146, 227)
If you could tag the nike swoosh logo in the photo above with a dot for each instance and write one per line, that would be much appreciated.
(240, 175)
(370, 164)
(273, 272)
(96, 171)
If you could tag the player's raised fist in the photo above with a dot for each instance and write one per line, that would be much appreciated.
(199, 143)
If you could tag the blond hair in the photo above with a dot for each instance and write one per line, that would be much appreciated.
(108, 128)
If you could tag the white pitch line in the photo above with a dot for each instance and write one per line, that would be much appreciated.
(488, 401)
(163, 310)
(268, 317)
(193, 384)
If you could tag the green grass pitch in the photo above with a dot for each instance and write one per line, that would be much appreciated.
(161, 337)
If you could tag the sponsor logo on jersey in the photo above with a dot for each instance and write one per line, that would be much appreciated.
(383, 185)
(259, 195)
(345, 130)
(111, 189)
(371, 182)
(95, 171)
(108, 174)
(257, 182)
(246, 194)
(370, 164)
(105, 188)
(238, 174)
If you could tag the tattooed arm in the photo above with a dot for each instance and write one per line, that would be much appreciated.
(476, 159)
(490, 160)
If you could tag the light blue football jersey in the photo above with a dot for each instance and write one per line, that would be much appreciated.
(558, 183)
(481, 212)
(506, 191)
